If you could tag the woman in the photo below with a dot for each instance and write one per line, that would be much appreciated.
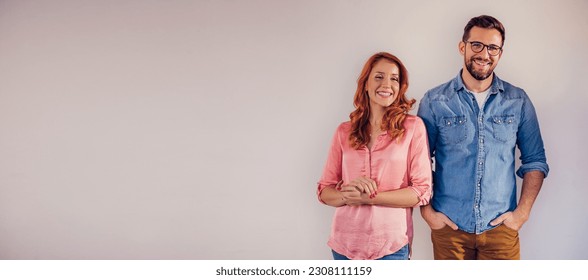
(378, 167)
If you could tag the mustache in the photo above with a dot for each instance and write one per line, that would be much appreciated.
(481, 60)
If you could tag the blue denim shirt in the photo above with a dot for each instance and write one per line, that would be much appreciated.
(474, 150)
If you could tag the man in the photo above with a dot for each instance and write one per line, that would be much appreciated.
(474, 123)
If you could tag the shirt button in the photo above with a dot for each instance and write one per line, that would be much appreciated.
(480, 163)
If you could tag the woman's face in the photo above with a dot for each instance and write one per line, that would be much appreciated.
(383, 83)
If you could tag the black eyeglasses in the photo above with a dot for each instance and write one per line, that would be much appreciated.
(479, 46)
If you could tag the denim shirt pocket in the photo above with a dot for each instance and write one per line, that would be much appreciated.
(504, 127)
(453, 129)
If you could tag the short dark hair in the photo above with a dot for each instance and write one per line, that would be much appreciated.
(483, 21)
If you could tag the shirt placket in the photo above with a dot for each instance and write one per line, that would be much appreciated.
(480, 159)
(368, 159)
(367, 170)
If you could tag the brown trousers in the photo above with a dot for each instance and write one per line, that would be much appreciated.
(500, 243)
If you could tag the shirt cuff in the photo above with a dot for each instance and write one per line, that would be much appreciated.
(424, 197)
(540, 166)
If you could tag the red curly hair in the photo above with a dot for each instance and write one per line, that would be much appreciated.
(395, 114)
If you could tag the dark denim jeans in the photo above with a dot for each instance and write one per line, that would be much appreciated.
(401, 254)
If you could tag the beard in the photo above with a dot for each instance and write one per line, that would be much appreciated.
(479, 75)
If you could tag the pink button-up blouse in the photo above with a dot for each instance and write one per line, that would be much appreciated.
(372, 231)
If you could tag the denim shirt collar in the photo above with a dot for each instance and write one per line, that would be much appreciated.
(497, 85)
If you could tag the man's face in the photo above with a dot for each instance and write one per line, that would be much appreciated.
(481, 65)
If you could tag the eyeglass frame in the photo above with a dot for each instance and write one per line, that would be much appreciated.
(487, 47)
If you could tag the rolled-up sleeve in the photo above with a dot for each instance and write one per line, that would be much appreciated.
(420, 173)
(332, 172)
(530, 142)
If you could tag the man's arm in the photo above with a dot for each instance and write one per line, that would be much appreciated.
(532, 182)
(533, 167)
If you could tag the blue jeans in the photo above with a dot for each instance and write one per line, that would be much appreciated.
(401, 254)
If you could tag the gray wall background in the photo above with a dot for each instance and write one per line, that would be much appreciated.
(198, 129)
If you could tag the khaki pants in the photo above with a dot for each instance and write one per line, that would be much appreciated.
(500, 243)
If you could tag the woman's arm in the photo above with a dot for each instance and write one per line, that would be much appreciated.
(396, 198)
(331, 196)
(399, 198)
(332, 173)
(351, 195)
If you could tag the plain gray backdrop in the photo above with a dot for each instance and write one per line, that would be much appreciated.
(198, 129)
